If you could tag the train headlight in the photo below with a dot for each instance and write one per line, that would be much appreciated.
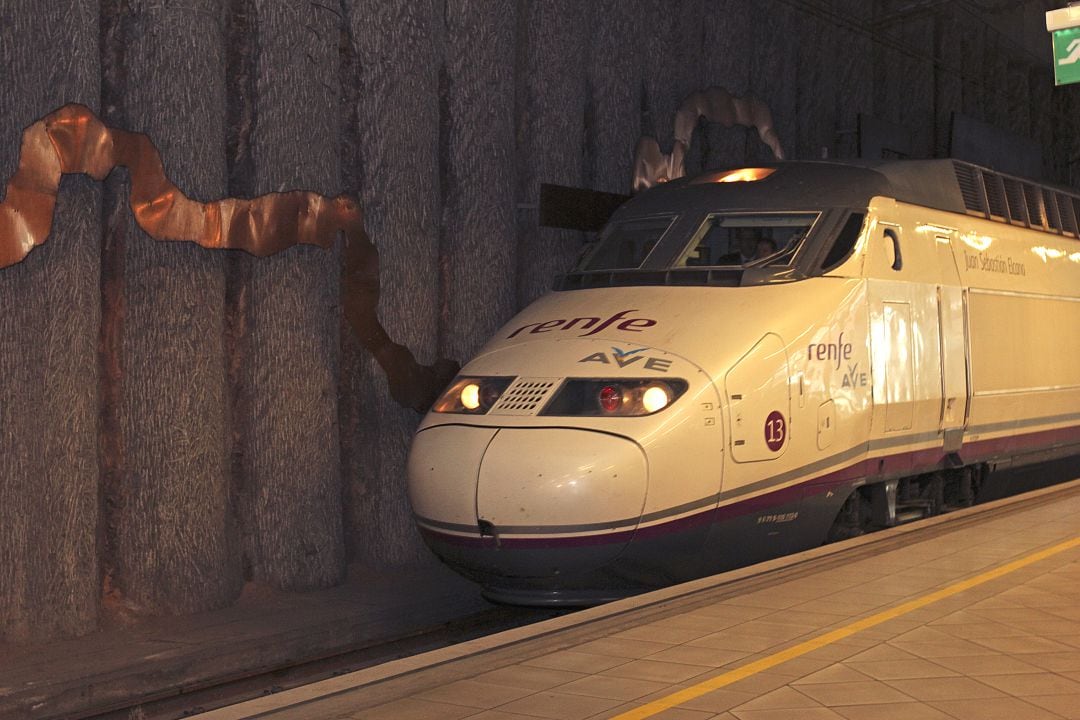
(614, 398)
(655, 398)
(471, 395)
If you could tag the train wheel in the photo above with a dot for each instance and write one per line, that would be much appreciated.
(853, 519)
(962, 486)
(934, 493)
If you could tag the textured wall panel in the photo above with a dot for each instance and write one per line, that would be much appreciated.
(854, 78)
(977, 91)
(669, 39)
(49, 562)
(948, 86)
(819, 45)
(913, 90)
(477, 169)
(613, 119)
(398, 47)
(288, 417)
(1068, 135)
(921, 36)
(727, 46)
(1021, 117)
(773, 79)
(1046, 127)
(169, 515)
(550, 122)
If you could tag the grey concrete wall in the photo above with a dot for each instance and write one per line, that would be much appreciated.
(230, 429)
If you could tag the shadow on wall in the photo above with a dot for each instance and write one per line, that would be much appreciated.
(73, 140)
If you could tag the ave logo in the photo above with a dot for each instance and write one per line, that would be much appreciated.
(626, 358)
(853, 378)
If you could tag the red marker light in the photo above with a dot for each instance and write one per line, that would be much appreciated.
(610, 398)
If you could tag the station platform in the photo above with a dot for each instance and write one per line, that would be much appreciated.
(971, 615)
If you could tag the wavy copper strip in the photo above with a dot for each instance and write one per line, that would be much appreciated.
(651, 166)
(73, 140)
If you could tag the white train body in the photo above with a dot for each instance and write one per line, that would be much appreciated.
(828, 388)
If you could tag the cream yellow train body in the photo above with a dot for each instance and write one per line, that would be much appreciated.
(673, 409)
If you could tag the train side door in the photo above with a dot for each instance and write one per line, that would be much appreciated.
(758, 394)
(954, 375)
(895, 365)
(892, 352)
(904, 284)
(759, 400)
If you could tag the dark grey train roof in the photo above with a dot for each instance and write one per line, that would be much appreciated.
(813, 185)
(949, 185)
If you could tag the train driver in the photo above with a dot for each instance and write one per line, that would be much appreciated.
(746, 240)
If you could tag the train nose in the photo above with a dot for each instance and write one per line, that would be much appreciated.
(526, 502)
(560, 483)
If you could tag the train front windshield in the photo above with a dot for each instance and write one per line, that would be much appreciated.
(722, 240)
(625, 245)
(742, 239)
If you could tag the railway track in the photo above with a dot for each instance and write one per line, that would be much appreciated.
(182, 702)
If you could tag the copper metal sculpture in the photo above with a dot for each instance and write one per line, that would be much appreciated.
(73, 140)
(652, 166)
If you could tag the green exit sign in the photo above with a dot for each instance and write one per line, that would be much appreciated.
(1064, 24)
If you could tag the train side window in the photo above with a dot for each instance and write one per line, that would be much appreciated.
(844, 242)
(893, 248)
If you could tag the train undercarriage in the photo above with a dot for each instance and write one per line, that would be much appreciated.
(894, 502)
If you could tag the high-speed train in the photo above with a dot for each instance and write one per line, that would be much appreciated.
(756, 361)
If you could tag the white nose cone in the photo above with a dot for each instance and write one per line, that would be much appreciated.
(558, 481)
(442, 469)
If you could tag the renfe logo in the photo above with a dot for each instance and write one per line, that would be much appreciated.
(828, 351)
(592, 325)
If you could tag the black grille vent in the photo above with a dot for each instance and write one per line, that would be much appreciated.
(1014, 197)
(1068, 214)
(971, 188)
(1053, 215)
(995, 196)
(1009, 199)
(1034, 202)
(525, 396)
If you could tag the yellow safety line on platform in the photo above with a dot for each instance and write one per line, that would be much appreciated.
(715, 683)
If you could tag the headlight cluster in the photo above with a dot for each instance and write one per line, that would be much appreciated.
(600, 398)
(471, 395)
(575, 397)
